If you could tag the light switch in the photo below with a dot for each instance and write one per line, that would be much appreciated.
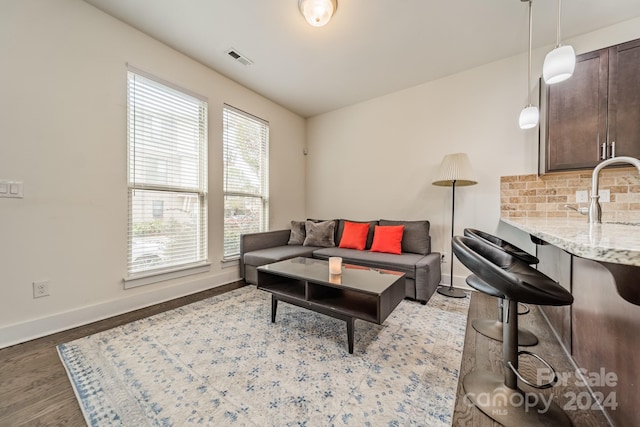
(12, 189)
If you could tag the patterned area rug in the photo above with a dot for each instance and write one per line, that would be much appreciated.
(221, 361)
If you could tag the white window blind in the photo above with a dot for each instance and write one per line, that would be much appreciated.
(245, 153)
(167, 140)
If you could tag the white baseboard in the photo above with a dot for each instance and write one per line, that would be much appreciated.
(458, 282)
(37, 328)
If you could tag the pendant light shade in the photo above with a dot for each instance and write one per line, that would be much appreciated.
(317, 12)
(559, 64)
(529, 115)
(561, 61)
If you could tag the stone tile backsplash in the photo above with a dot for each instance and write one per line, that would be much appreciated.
(546, 195)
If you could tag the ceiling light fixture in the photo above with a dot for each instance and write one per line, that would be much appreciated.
(317, 12)
(529, 115)
(561, 61)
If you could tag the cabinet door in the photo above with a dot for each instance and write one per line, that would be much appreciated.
(624, 98)
(577, 115)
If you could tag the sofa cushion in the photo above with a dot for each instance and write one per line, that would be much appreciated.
(405, 263)
(340, 230)
(388, 238)
(298, 233)
(336, 221)
(354, 235)
(319, 234)
(277, 253)
(415, 238)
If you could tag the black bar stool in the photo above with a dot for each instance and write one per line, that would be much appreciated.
(493, 328)
(498, 396)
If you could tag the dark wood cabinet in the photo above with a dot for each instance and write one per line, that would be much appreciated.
(595, 114)
(624, 100)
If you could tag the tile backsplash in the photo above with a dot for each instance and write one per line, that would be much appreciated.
(546, 195)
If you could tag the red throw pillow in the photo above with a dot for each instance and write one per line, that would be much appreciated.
(387, 238)
(354, 235)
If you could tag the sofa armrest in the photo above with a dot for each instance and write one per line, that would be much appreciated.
(428, 276)
(263, 240)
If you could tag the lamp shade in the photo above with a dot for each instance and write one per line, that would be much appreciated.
(559, 64)
(455, 167)
(529, 117)
(317, 12)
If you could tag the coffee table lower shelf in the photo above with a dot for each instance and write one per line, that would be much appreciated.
(337, 301)
(318, 308)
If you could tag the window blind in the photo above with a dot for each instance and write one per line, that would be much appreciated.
(245, 157)
(167, 168)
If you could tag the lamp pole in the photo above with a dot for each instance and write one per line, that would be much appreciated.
(451, 291)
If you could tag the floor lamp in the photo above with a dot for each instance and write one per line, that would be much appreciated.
(455, 171)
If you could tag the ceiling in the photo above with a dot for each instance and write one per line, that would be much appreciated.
(369, 48)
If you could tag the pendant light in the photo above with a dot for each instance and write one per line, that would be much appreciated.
(561, 61)
(317, 12)
(529, 115)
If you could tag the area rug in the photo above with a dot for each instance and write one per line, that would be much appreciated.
(221, 361)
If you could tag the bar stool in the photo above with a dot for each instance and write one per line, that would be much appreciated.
(498, 396)
(493, 328)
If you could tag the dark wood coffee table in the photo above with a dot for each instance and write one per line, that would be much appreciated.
(358, 293)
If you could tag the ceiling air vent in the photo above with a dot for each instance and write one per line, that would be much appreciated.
(239, 57)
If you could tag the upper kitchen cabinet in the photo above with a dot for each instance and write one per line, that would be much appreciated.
(595, 114)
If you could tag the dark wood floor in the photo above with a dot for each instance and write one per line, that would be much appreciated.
(483, 353)
(34, 387)
(35, 390)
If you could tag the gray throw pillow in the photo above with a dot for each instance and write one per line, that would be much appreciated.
(297, 233)
(319, 234)
(415, 238)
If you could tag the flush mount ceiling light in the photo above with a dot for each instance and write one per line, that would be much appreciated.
(561, 61)
(529, 115)
(317, 12)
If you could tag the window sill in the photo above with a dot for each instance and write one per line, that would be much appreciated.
(230, 262)
(148, 278)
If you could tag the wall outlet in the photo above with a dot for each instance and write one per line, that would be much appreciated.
(582, 196)
(605, 196)
(41, 289)
(443, 258)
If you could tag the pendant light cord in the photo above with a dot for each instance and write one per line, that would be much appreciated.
(558, 24)
(529, 73)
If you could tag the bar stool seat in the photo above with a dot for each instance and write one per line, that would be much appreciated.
(498, 396)
(493, 328)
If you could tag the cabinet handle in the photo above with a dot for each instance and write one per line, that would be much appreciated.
(613, 149)
(603, 151)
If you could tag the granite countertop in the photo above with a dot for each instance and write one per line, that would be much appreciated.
(614, 243)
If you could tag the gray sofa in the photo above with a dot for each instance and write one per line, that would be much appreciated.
(420, 265)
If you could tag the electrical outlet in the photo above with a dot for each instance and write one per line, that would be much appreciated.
(605, 196)
(41, 289)
(582, 196)
(443, 258)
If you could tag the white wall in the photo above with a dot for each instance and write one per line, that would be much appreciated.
(377, 159)
(63, 132)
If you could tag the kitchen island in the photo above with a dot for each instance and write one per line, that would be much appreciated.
(600, 265)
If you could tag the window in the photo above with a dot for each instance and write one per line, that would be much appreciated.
(167, 140)
(245, 151)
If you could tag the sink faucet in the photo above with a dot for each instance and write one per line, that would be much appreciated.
(595, 212)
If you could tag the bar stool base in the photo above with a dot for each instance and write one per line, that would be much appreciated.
(510, 407)
(493, 329)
